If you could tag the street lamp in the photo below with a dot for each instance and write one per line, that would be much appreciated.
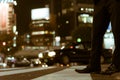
(4, 43)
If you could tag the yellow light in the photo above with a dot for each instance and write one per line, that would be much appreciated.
(4, 43)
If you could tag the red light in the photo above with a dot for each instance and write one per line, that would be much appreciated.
(71, 47)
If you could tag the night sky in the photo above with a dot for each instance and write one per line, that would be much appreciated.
(23, 12)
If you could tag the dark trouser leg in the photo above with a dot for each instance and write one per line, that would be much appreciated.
(115, 21)
(100, 24)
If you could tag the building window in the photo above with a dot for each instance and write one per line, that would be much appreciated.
(85, 18)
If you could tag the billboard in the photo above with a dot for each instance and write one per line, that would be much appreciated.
(40, 13)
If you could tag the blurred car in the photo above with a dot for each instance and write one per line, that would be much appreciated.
(80, 53)
(19, 62)
(47, 57)
(3, 65)
(35, 62)
(23, 61)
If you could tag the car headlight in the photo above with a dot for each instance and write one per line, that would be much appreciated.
(4, 65)
(51, 54)
(40, 55)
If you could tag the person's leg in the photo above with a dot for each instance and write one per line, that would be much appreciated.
(100, 24)
(115, 18)
(114, 10)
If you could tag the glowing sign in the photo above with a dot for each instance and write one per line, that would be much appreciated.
(40, 13)
(6, 1)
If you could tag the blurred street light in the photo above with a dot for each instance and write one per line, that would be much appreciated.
(4, 43)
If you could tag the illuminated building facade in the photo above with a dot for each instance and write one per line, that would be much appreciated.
(85, 15)
(41, 32)
(7, 16)
(7, 26)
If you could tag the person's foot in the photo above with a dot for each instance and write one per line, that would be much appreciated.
(89, 70)
(110, 70)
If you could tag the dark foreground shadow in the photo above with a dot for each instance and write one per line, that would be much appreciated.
(115, 76)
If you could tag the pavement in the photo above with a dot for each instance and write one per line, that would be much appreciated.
(70, 74)
(55, 73)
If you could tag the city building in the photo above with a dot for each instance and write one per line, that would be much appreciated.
(69, 15)
(7, 27)
(8, 17)
(63, 17)
(42, 33)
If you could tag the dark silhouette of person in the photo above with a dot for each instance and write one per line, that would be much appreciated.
(105, 11)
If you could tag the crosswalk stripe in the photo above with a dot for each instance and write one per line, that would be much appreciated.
(7, 69)
(66, 74)
(24, 71)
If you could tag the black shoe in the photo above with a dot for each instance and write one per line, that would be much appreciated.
(110, 70)
(88, 70)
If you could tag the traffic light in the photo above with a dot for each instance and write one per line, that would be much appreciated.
(79, 40)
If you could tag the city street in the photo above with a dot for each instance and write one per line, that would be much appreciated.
(52, 73)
